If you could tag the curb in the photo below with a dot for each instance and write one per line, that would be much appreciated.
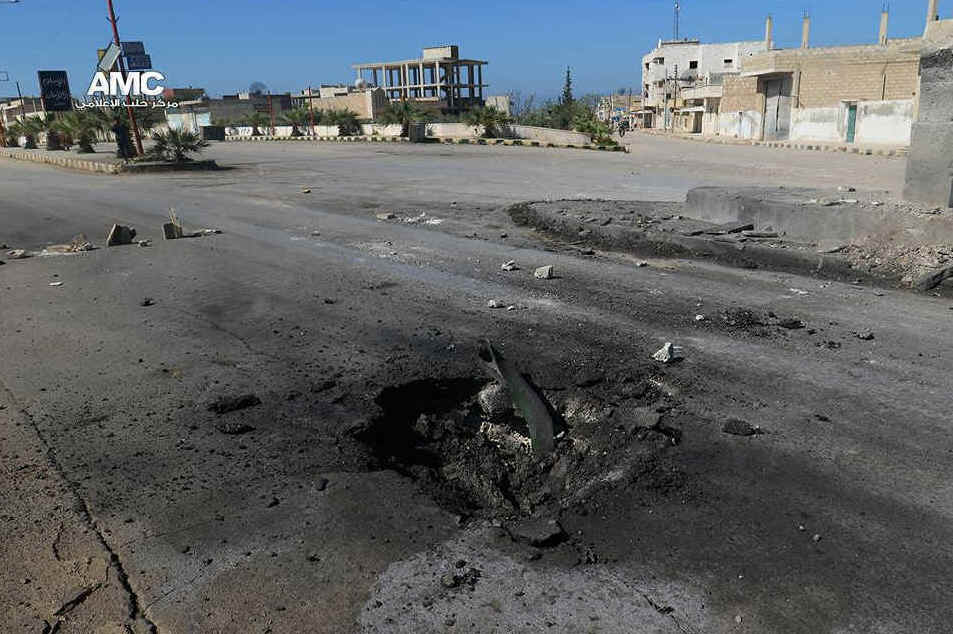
(101, 167)
(743, 255)
(816, 146)
(445, 140)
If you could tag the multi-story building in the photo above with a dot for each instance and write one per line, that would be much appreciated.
(439, 79)
(675, 65)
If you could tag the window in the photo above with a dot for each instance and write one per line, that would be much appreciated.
(693, 65)
(646, 65)
(659, 60)
(668, 95)
(729, 62)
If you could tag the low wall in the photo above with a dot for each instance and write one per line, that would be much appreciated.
(741, 125)
(282, 130)
(887, 122)
(818, 124)
(381, 129)
(785, 211)
(454, 130)
(549, 135)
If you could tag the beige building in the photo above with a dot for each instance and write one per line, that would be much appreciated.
(845, 94)
(366, 103)
(440, 78)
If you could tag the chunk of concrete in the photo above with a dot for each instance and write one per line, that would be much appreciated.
(929, 177)
(120, 234)
(545, 272)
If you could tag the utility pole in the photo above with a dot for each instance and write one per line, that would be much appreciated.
(22, 103)
(676, 20)
(271, 109)
(122, 69)
(311, 109)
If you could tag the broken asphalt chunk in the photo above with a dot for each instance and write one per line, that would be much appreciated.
(738, 427)
(226, 404)
(510, 266)
(668, 353)
(120, 234)
(545, 272)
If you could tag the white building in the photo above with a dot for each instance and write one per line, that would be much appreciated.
(677, 65)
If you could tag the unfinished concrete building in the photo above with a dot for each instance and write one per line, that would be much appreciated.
(440, 79)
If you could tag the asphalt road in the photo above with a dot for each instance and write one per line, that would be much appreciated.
(125, 505)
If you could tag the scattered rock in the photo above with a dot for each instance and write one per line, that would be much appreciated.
(496, 303)
(145, 243)
(641, 264)
(80, 243)
(738, 427)
(56, 283)
(739, 619)
(495, 401)
(864, 335)
(816, 538)
(305, 191)
(387, 216)
(932, 280)
(18, 254)
(510, 266)
(545, 272)
(700, 318)
(147, 301)
(667, 354)
(540, 532)
(234, 429)
(791, 323)
(120, 234)
(274, 502)
(321, 484)
(226, 404)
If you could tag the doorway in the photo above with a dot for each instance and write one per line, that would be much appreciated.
(851, 122)
(777, 109)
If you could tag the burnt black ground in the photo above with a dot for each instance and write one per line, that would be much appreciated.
(233, 532)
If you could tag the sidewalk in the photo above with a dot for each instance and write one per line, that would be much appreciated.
(817, 146)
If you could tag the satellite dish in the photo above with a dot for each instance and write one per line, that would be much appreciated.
(257, 88)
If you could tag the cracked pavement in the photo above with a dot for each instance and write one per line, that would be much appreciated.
(116, 471)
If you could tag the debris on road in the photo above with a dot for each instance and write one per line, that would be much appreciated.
(56, 283)
(738, 427)
(816, 538)
(545, 272)
(226, 404)
(495, 303)
(931, 280)
(864, 335)
(18, 254)
(387, 216)
(791, 323)
(668, 353)
(539, 532)
(234, 429)
(641, 264)
(306, 191)
(700, 318)
(525, 399)
(145, 243)
(510, 266)
(147, 301)
(172, 230)
(119, 235)
(80, 243)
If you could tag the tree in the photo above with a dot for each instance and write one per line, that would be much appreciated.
(403, 112)
(567, 97)
(175, 145)
(345, 120)
(79, 128)
(490, 118)
(29, 128)
(297, 119)
(257, 120)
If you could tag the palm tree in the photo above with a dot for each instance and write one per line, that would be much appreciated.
(491, 118)
(297, 119)
(403, 112)
(79, 128)
(257, 120)
(345, 120)
(176, 145)
(29, 128)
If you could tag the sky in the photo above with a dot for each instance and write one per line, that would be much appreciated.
(225, 45)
